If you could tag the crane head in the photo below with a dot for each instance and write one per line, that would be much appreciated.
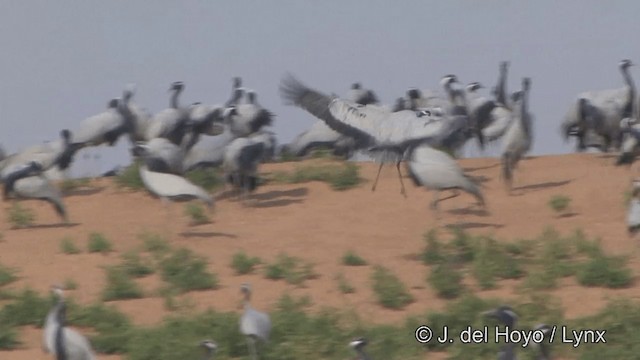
(474, 86)
(358, 343)
(504, 313)
(210, 345)
(356, 86)
(57, 290)
(113, 103)
(177, 86)
(448, 80)
(237, 82)
(228, 112)
(625, 63)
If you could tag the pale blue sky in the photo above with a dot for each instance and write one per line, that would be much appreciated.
(63, 60)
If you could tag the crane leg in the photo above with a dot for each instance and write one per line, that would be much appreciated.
(402, 190)
(251, 344)
(375, 182)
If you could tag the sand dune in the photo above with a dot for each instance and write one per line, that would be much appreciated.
(318, 224)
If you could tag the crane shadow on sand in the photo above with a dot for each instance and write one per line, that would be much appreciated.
(468, 225)
(472, 169)
(275, 198)
(47, 226)
(521, 190)
(206, 234)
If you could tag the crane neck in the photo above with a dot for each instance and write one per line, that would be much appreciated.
(629, 107)
(501, 90)
(174, 98)
(363, 355)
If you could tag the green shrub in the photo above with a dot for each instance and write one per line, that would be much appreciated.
(134, 265)
(389, 290)
(292, 269)
(130, 177)
(350, 258)
(68, 246)
(604, 271)
(434, 250)
(244, 264)
(7, 275)
(20, 217)
(196, 213)
(155, 244)
(559, 203)
(99, 243)
(343, 285)
(70, 284)
(338, 176)
(8, 338)
(120, 286)
(207, 179)
(446, 279)
(27, 308)
(186, 271)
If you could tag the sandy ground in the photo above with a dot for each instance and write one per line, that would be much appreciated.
(318, 224)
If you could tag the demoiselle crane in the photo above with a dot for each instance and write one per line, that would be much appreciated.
(65, 343)
(170, 123)
(509, 318)
(255, 325)
(210, 347)
(358, 346)
(386, 135)
(28, 182)
(519, 135)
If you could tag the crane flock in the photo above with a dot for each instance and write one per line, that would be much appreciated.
(424, 129)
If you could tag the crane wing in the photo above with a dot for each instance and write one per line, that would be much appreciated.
(295, 93)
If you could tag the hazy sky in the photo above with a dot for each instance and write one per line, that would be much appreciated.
(63, 60)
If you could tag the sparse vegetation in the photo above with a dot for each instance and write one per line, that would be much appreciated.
(350, 258)
(559, 203)
(243, 263)
(69, 185)
(292, 269)
(68, 246)
(446, 279)
(344, 285)
(155, 244)
(339, 176)
(605, 271)
(186, 271)
(208, 179)
(99, 243)
(70, 284)
(134, 265)
(130, 177)
(120, 285)
(7, 275)
(196, 213)
(20, 217)
(389, 290)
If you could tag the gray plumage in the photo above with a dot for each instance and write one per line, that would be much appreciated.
(162, 155)
(245, 119)
(140, 116)
(501, 118)
(170, 186)
(170, 123)
(63, 342)
(480, 108)
(358, 345)
(630, 129)
(28, 182)
(240, 165)
(58, 153)
(236, 92)
(519, 135)
(615, 104)
(437, 171)
(255, 325)
(320, 135)
(633, 212)
(544, 352)
(106, 127)
(386, 135)
(208, 151)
